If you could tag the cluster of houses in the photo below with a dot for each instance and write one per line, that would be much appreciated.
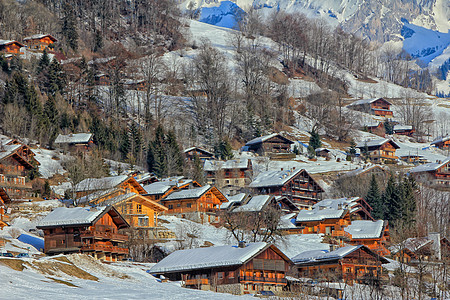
(36, 42)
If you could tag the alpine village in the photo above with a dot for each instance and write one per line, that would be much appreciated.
(167, 149)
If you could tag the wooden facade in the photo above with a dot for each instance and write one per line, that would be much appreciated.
(264, 271)
(40, 42)
(378, 107)
(377, 129)
(376, 244)
(328, 226)
(380, 152)
(99, 237)
(274, 143)
(230, 173)
(10, 47)
(437, 174)
(442, 143)
(4, 200)
(301, 189)
(360, 265)
(201, 153)
(130, 185)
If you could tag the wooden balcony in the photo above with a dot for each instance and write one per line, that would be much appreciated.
(104, 248)
(263, 279)
(197, 281)
(341, 234)
(104, 235)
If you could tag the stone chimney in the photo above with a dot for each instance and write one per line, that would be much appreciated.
(241, 244)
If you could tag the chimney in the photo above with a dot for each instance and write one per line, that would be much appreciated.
(436, 246)
(241, 244)
(281, 169)
(333, 247)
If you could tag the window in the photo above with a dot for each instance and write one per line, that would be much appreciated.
(178, 204)
(236, 181)
(231, 274)
(188, 205)
(139, 208)
(220, 275)
(170, 206)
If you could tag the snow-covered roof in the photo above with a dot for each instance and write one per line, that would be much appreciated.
(261, 139)
(7, 42)
(256, 203)
(238, 198)
(38, 36)
(323, 255)
(188, 193)
(375, 142)
(210, 257)
(328, 209)
(7, 150)
(429, 167)
(198, 148)
(274, 178)
(287, 221)
(359, 171)
(159, 187)
(214, 165)
(440, 140)
(365, 229)
(412, 244)
(92, 184)
(399, 127)
(74, 138)
(95, 195)
(366, 101)
(118, 199)
(72, 216)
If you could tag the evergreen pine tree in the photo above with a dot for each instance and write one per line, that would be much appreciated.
(392, 200)
(374, 199)
(223, 150)
(176, 157)
(352, 149)
(388, 195)
(314, 140)
(198, 173)
(44, 62)
(56, 78)
(46, 193)
(69, 26)
(125, 144)
(98, 41)
(388, 127)
(409, 200)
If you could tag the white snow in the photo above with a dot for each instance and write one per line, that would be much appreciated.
(72, 216)
(50, 162)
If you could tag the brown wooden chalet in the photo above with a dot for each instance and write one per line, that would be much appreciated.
(200, 204)
(94, 231)
(373, 234)
(201, 153)
(433, 174)
(351, 264)
(16, 162)
(161, 189)
(231, 173)
(407, 130)
(295, 184)
(10, 47)
(376, 106)
(242, 269)
(413, 250)
(75, 141)
(442, 143)
(379, 150)
(105, 184)
(39, 42)
(376, 128)
(272, 143)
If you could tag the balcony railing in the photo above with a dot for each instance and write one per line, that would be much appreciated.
(341, 233)
(262, 279)
(104, 235)
(104, 248)
(197, 281)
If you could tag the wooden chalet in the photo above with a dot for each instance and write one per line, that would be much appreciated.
(39, 42)
(145, 178)
(379, 150)
(201, 153)
(75, 141)
(4, 200)
(10, 47)
(295, 184)
(407, 130)
(442, 142)
(234, 201)
(243, 269)
(433, 174)
(135, 84)
(373, 234)
(256, 203)
(16, 162)
(323, 152)
(352, 264)
(235, 173)
(412, 250)
(367, 172)
(106, 184)
(140, 212)
(376, 106)
(102, 79)
(161, 189)
(198, 204)
(376, 128)
(94, 231)
(272, 143)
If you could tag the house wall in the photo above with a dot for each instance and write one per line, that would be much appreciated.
(39, 44)
(13, 48)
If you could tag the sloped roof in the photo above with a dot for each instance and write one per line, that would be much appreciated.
(328, 209)
(256, 203)
(430, 166)
(7, 150)
(39, 36)
(287, 221)
(188, 193)
(120, 198)
(262, 139)
(375, 143)
(367, 101)
(238, 198)
(274, 178)
(75, 138)
(159, 187)
(365, 229)
(96, 195)
(402, 127)
(92, 184)
(317, 256)
(72, 216)
(214, 165)
(199, 149)
(8, 42)
(440, 140)
(210, 257)
(362, 170)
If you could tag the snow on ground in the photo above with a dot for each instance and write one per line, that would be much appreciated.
(61, 188)
(115, 281)
(408, 148)
(50, 162)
